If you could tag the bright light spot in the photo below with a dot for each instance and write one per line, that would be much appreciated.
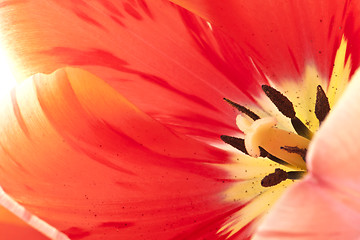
(7, 79)
(209, 25)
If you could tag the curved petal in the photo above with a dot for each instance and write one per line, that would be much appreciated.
(309, 211)
(168, 62)
(283, 38)
(85, 160)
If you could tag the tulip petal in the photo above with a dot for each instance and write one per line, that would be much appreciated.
(282, 38)
(13, 228)
(18, 228)
(82, 158)
(309, 211)
(168, 62)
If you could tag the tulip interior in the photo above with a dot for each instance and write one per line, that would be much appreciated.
(280, 138)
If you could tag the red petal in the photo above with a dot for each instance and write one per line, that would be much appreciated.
(283, 37)
(89, 163)
(352, 32)
(163, 59)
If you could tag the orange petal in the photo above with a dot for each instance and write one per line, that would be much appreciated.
(12, 228)
(168, 62)
(81, 157)
(16, 222)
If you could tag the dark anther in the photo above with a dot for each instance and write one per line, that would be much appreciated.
(322, 106)
(286, 107)
(239, 144)
(294, 175)
(274, 178)
(282, 103)
(243, 109)
(297, 150)
(301, 128)
(264, 153)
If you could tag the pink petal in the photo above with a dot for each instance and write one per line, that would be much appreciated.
(164, 59)
(309, 211)
(283, 37)
(81, 157)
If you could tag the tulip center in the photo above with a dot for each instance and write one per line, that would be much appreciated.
(264, 139)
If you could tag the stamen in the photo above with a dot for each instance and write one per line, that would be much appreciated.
(322, 106)
(297, 150)
(273, 158)
(239, 144)
(301, 128)
(283, 104)
(274, 178)
(243, 109)
(280, 175)
(263, 139)
(295, 175)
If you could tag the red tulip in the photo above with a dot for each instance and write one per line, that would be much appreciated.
(122, 134)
